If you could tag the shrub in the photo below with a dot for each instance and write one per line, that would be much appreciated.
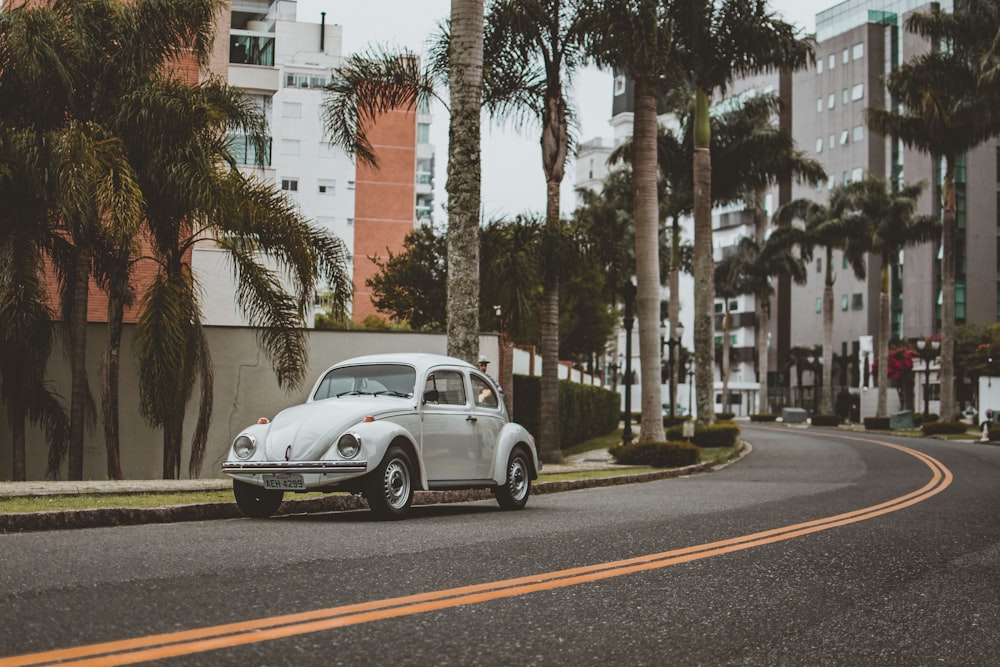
(944, 428)
(724, 416)
(677, 420)
(719, 434)
(826, 420)
(877, 423)
(763, 417)
(994, 432)
(674, 454)
(584, 411)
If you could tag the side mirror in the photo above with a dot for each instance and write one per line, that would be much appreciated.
(431, 396)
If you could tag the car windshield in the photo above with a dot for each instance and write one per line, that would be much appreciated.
(375, 379)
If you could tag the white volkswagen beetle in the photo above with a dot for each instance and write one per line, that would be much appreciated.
(384, 426)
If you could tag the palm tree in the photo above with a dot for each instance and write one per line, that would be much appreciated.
(368, 85)
(892, 226)
(828, 227)
(749, 270)
(635, 37)
(519, 35)
(714, 42)
(949, 106)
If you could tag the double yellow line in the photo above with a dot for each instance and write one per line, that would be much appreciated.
(170, 645)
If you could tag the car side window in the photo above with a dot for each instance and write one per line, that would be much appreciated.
(483, 393)
(449, 385)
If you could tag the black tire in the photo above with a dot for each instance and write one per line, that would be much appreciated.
(389, 489)
(256, 502)
(513, 495)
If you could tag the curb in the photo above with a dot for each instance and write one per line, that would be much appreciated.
(19, 522)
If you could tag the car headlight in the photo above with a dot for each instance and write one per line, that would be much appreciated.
(349, 445)
(244, 446)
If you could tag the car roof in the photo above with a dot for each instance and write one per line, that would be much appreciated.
(419, 360)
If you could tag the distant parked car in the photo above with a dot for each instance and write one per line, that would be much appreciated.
(679, 410)
(384, 426)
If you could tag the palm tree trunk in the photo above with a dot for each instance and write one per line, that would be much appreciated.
(763, 405)
(724, 365)
(948, 223)
(826, 392)
(464, 177)
(549, 435)
(883, 343)
(704, 271)
(507, 370)
(110, 383)
(17, 425)
(673, 309)
(647, 258)
(79, 390)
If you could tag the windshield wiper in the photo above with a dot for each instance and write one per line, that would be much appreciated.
(393, 392)
(354, 392)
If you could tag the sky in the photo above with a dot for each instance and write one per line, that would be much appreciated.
(513, 181)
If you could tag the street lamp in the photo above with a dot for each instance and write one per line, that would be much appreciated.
(927, 354)
(628, 292)
(690, 389)
(673, 341)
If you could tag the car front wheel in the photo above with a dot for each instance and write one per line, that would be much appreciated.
(513, 495)
(256, 502)
(389, 489)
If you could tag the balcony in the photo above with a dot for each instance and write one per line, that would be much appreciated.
(251, 61)
(245, 153)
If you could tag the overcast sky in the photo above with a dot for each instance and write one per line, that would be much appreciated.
(513, 181)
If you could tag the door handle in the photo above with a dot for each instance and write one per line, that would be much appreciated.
(470, 418)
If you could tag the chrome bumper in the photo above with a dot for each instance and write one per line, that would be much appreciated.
(304, 467)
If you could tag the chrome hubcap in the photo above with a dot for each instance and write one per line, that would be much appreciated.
(517, 479)
(397, 483)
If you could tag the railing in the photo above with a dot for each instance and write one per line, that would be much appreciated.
(245, 152)
(248, 48)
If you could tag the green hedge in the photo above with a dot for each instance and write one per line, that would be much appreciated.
(878, 423)
(826, 420)
(657, 454)
(763, 417)
(944, 428)
(584, 411)
(719, 434)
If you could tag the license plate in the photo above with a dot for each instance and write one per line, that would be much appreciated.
(284, 482)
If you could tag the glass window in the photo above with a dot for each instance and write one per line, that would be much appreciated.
(819, 265)
(327, 187)
(857, 174)
(819, 108)
(819, 305)
(382, 379)
(819, 65)
(485, 396)
(858, 51)
(819, 145)
(845, 56)
(290, 184)
(843, 302)
(450, 388)
(858, 134)
(844, 96)
(423, 133)
(857, 301)
(831, 100)
(858, 92)
(844, 137)
(620, 84)
(832, 140)
(831, 61)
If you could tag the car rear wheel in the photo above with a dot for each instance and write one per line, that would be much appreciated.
(389, 489)
(513, 495)
(256, 502)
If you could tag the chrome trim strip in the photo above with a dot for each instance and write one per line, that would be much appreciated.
(294, 466)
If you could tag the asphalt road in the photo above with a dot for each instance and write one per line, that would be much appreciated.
(819, 548)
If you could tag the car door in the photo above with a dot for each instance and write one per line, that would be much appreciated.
(489, 420)
(448, 428)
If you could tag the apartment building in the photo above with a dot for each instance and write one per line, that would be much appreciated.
(858, 43)
(283, 64)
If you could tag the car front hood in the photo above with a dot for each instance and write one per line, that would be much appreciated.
(305, 432)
